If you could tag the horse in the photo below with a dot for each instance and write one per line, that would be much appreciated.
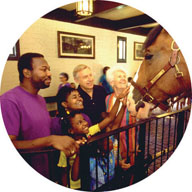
(162, 76)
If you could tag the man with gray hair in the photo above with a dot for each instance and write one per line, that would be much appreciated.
(93, 95)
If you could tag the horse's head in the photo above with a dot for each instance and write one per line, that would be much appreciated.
(159, 75)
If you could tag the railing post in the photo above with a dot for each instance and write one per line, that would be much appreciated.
(84, 168)
(142, 134)
(180, 126)
(140, 160)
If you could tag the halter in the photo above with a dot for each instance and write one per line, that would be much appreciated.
(173, 63)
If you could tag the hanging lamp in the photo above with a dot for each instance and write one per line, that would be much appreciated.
(84, 7)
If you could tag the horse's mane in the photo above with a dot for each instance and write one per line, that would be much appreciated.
(152, 36)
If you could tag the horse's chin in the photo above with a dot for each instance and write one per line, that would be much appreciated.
(143, 113)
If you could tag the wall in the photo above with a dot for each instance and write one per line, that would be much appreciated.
(42, 37)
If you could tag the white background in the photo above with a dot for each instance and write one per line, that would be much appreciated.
(16, 16)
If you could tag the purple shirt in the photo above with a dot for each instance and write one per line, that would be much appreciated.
(61, 85)
(26, 116)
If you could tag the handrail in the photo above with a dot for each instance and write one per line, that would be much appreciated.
(37, 151)
(174, 112)
(121, 129)
(103, 135)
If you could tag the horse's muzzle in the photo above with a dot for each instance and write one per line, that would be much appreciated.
(140, 104)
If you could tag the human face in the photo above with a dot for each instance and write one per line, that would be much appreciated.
(120, 80)
(73, 102)
(63, 79)
(40, 73)
(79, 125)
(85, 79)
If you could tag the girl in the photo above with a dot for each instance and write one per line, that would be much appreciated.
(79, 129)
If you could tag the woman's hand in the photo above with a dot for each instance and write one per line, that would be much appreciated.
(124, 93)
(124, 166)
(124, 101)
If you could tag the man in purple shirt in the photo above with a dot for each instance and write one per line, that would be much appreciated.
(25, 114)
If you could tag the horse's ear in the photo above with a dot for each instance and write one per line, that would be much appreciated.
(164, 31)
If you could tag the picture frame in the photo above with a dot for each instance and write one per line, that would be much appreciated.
(138, 51)
(15, 54)
(121, 49)
(73, 45)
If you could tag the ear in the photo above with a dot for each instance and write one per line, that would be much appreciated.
(64, 104)
(27, 73)
(164, 32)
(76, 80)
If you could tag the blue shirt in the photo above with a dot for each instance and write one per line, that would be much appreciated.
(105, 84)
(102, 166)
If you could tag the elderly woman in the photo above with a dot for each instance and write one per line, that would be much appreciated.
(117, 78)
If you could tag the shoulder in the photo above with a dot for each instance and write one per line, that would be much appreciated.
(102, 78)
(11, 95)
(110, 96)
(79, 89)
(99, 88)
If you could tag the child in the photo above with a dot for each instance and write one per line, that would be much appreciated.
(79, 129)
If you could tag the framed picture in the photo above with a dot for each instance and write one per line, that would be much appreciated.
(74, 45)
(121, 49)
(15, 54)
(138, 51)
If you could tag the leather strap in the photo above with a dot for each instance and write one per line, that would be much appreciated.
(174, 60)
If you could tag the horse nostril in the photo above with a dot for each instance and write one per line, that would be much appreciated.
(140, 104)
(136, 95)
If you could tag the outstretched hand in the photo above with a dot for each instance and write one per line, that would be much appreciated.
(124, 101)
(124, 93)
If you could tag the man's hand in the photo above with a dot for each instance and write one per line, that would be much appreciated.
(66, 144)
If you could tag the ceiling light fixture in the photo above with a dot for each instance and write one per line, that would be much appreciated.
(84, 7)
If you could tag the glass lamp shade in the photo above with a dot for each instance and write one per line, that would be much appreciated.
(84, 7)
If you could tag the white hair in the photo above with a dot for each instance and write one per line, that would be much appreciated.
(110, 72)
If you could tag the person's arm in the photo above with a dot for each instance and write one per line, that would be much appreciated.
(118, 119)
(62, 143)
(75, 168)
(103, 124)
(64, 176)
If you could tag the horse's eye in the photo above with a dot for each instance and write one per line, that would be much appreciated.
(148, 56)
